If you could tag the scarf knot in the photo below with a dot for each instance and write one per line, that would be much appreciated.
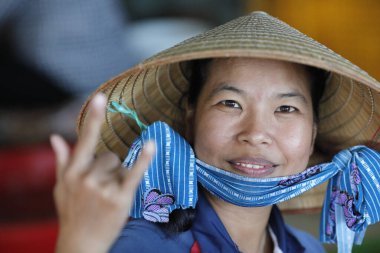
(353, 196)
(171, 174)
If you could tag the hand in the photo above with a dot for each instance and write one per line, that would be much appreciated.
(93, 195)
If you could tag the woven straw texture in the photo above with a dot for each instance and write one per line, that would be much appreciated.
(349, 109)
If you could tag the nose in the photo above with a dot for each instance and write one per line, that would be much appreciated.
(255, 130)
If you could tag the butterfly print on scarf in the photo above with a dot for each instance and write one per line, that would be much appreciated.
(343, 199)
(156, 205)
(346, 201)
(292, 180)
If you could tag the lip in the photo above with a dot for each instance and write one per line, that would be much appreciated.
(253, 167)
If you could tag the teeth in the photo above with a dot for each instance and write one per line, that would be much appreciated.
(250, 166)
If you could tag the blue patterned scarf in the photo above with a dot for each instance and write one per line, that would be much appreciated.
(352, 200)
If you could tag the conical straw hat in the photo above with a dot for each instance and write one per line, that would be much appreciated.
(349, 109)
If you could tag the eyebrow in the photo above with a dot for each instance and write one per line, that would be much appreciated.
(225, 87)
(292, 94)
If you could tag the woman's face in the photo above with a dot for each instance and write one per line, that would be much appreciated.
(254, 117)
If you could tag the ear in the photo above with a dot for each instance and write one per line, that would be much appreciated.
(314, 136)
(189, 121)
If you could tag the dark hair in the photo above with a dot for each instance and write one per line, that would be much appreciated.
(181, 219)
(198, 77)
(317, 78)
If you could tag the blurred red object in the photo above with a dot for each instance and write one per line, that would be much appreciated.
(27, 213)
(37, 236)
(26, 182)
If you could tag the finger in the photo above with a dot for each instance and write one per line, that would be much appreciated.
(62, 153)
(90, 133)
(133, 178)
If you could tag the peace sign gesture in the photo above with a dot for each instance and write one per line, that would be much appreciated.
(93, 195)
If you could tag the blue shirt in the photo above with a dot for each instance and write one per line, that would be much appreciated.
(142, 236)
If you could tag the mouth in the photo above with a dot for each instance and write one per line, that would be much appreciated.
(253, 167)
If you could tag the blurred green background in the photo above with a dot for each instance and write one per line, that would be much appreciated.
(310, 223)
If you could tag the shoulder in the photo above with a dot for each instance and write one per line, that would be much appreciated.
(309, 242)
(142, 236)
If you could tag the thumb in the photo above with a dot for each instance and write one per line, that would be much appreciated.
(133, 178)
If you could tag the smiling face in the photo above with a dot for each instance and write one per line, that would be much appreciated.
(254, 117)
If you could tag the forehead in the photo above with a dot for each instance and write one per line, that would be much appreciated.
(255, 68)
(256, 73)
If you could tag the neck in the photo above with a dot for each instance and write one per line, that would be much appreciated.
(244, 222)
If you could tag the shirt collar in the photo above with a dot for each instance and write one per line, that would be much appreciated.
(212, 236)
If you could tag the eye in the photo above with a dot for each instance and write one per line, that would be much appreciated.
(286, 109)
(230, 103)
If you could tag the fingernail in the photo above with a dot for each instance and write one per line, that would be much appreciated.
(149, 147)
(52, 138)
(53, 141)
(99, 99)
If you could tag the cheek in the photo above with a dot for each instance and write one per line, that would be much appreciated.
(209, 137)
(296, 145)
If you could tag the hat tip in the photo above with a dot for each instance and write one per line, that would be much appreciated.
(259, 13)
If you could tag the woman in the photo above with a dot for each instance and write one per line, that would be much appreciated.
(251, 117)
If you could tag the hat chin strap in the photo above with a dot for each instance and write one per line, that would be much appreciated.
(255, 192)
